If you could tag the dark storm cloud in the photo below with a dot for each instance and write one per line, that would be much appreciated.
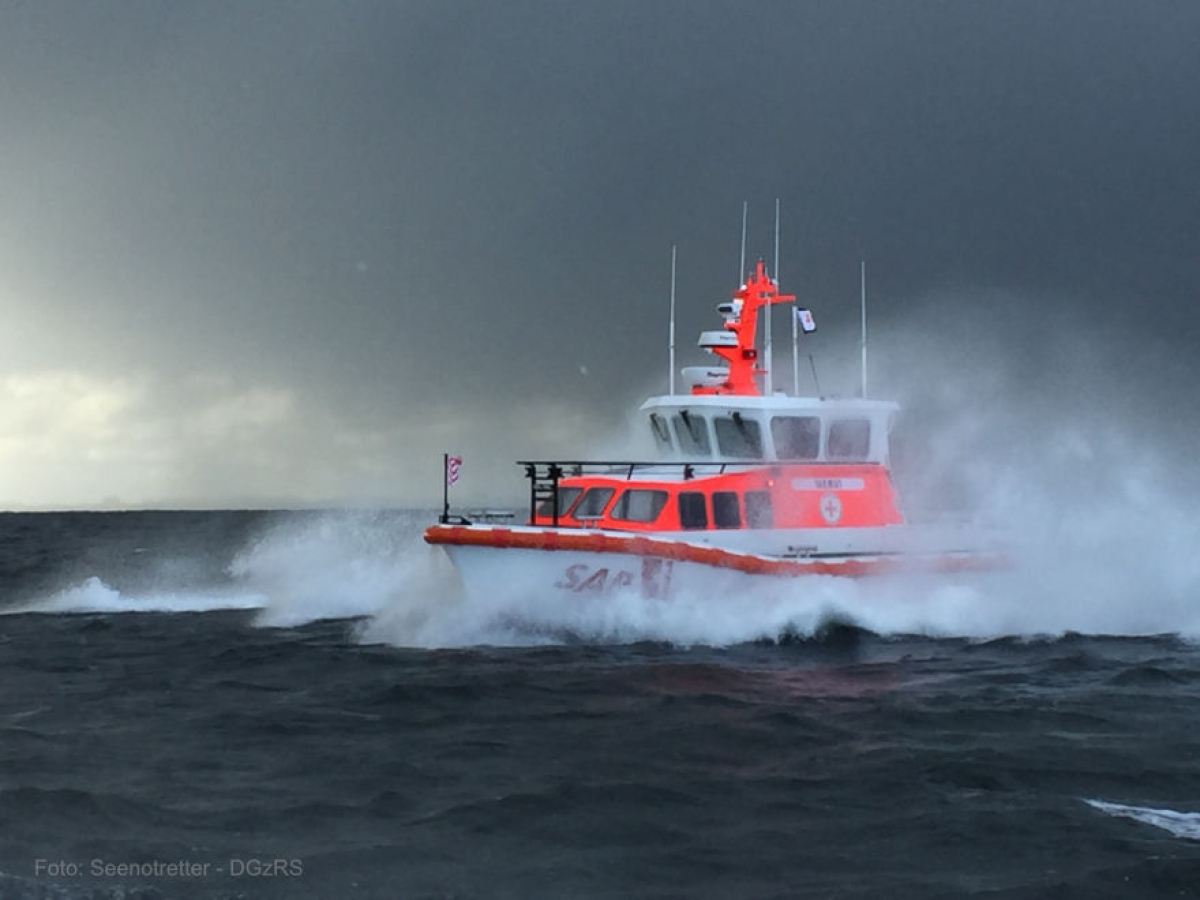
(413, 213)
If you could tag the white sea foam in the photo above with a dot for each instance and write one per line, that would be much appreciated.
(334, 565)
(1090, 581)
(94, 596)
(436, 612)
(1180, 824)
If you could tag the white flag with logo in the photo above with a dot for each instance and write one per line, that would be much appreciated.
(453, 464)
(807, 323)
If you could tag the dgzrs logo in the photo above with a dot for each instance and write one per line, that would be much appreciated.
(266, 868)
(831, 508)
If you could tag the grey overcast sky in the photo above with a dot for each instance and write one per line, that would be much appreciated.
(287, 253)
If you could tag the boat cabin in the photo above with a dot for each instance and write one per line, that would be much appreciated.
(731, 428)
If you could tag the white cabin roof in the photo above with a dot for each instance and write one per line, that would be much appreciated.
(779, 403)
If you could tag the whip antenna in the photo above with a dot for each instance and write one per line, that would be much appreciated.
(671, 330)
(768, 351)
(863, 278)
(741, 279)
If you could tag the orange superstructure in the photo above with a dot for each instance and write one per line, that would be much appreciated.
(777, 496)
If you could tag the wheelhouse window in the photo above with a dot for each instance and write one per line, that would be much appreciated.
(725, 510)
(639, 505)
(849, 439)
(693, 512)
(566, 496)
(738, 437)
(691, 431)
(796, 437)
(759, 513)
(593, 503)
(662, 436)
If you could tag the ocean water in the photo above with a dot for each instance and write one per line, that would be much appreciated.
(221, 705)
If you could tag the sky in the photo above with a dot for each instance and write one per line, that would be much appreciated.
(289, 253)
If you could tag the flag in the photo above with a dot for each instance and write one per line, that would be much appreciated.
(807, 323)
(453, 464)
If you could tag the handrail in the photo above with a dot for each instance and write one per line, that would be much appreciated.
(752, 463)
(639, 462)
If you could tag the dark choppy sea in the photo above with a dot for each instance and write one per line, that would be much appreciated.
(220, 705)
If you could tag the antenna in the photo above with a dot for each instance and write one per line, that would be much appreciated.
(813, 363)
(776, 242)
(741, 279)
(863, 276)
(671, 331)
(768, 352)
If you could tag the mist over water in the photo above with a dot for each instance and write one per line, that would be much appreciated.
(1057, 441)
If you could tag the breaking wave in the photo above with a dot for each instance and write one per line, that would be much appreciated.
(94, 596)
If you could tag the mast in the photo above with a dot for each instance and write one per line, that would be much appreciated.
(863, 283)
(671, 331)
(735, 341)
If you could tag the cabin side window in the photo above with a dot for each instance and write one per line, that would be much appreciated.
(725, 510)
(758, 510)
(796, 437)
(662, 437)
(691, 431)
(593, 503)
(738, 437)
(692, 510)
(639, 505)
(849, 439)
(566, 496)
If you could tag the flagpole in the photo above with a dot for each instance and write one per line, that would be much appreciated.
(445, 488)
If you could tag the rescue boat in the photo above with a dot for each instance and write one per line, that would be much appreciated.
(746, 486)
